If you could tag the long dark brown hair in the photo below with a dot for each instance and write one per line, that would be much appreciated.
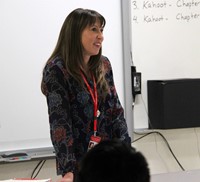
(69, 47)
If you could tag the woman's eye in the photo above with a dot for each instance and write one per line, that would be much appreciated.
(94, 29)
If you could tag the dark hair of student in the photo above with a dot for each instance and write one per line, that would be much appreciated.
(69, 46)
(113, 161)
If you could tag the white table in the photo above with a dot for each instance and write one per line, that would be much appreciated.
(182, 176)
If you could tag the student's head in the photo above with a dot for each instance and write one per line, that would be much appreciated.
(113, 161)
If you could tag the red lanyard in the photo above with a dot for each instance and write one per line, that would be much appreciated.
(94, 98)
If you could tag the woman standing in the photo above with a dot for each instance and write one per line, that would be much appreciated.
(83, 104)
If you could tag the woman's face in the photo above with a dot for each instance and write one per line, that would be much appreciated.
(92, 38)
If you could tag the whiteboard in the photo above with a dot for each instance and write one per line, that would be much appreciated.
(28, 34)
(165, 44)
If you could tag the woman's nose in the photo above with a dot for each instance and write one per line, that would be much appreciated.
(100, 35)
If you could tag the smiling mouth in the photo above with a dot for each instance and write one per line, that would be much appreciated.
(97, 44)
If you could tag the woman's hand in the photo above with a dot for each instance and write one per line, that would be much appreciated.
(69, 177)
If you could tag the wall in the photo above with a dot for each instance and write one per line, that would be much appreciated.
(185, 143)
(165, 45)
(25, 170)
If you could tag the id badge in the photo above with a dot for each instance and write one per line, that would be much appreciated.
(94, 140)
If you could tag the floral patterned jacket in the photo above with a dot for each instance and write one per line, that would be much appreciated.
(70, 109)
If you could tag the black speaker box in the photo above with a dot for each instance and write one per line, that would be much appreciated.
(173, 103)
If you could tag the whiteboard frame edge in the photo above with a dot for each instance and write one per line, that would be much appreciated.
(126, 36)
